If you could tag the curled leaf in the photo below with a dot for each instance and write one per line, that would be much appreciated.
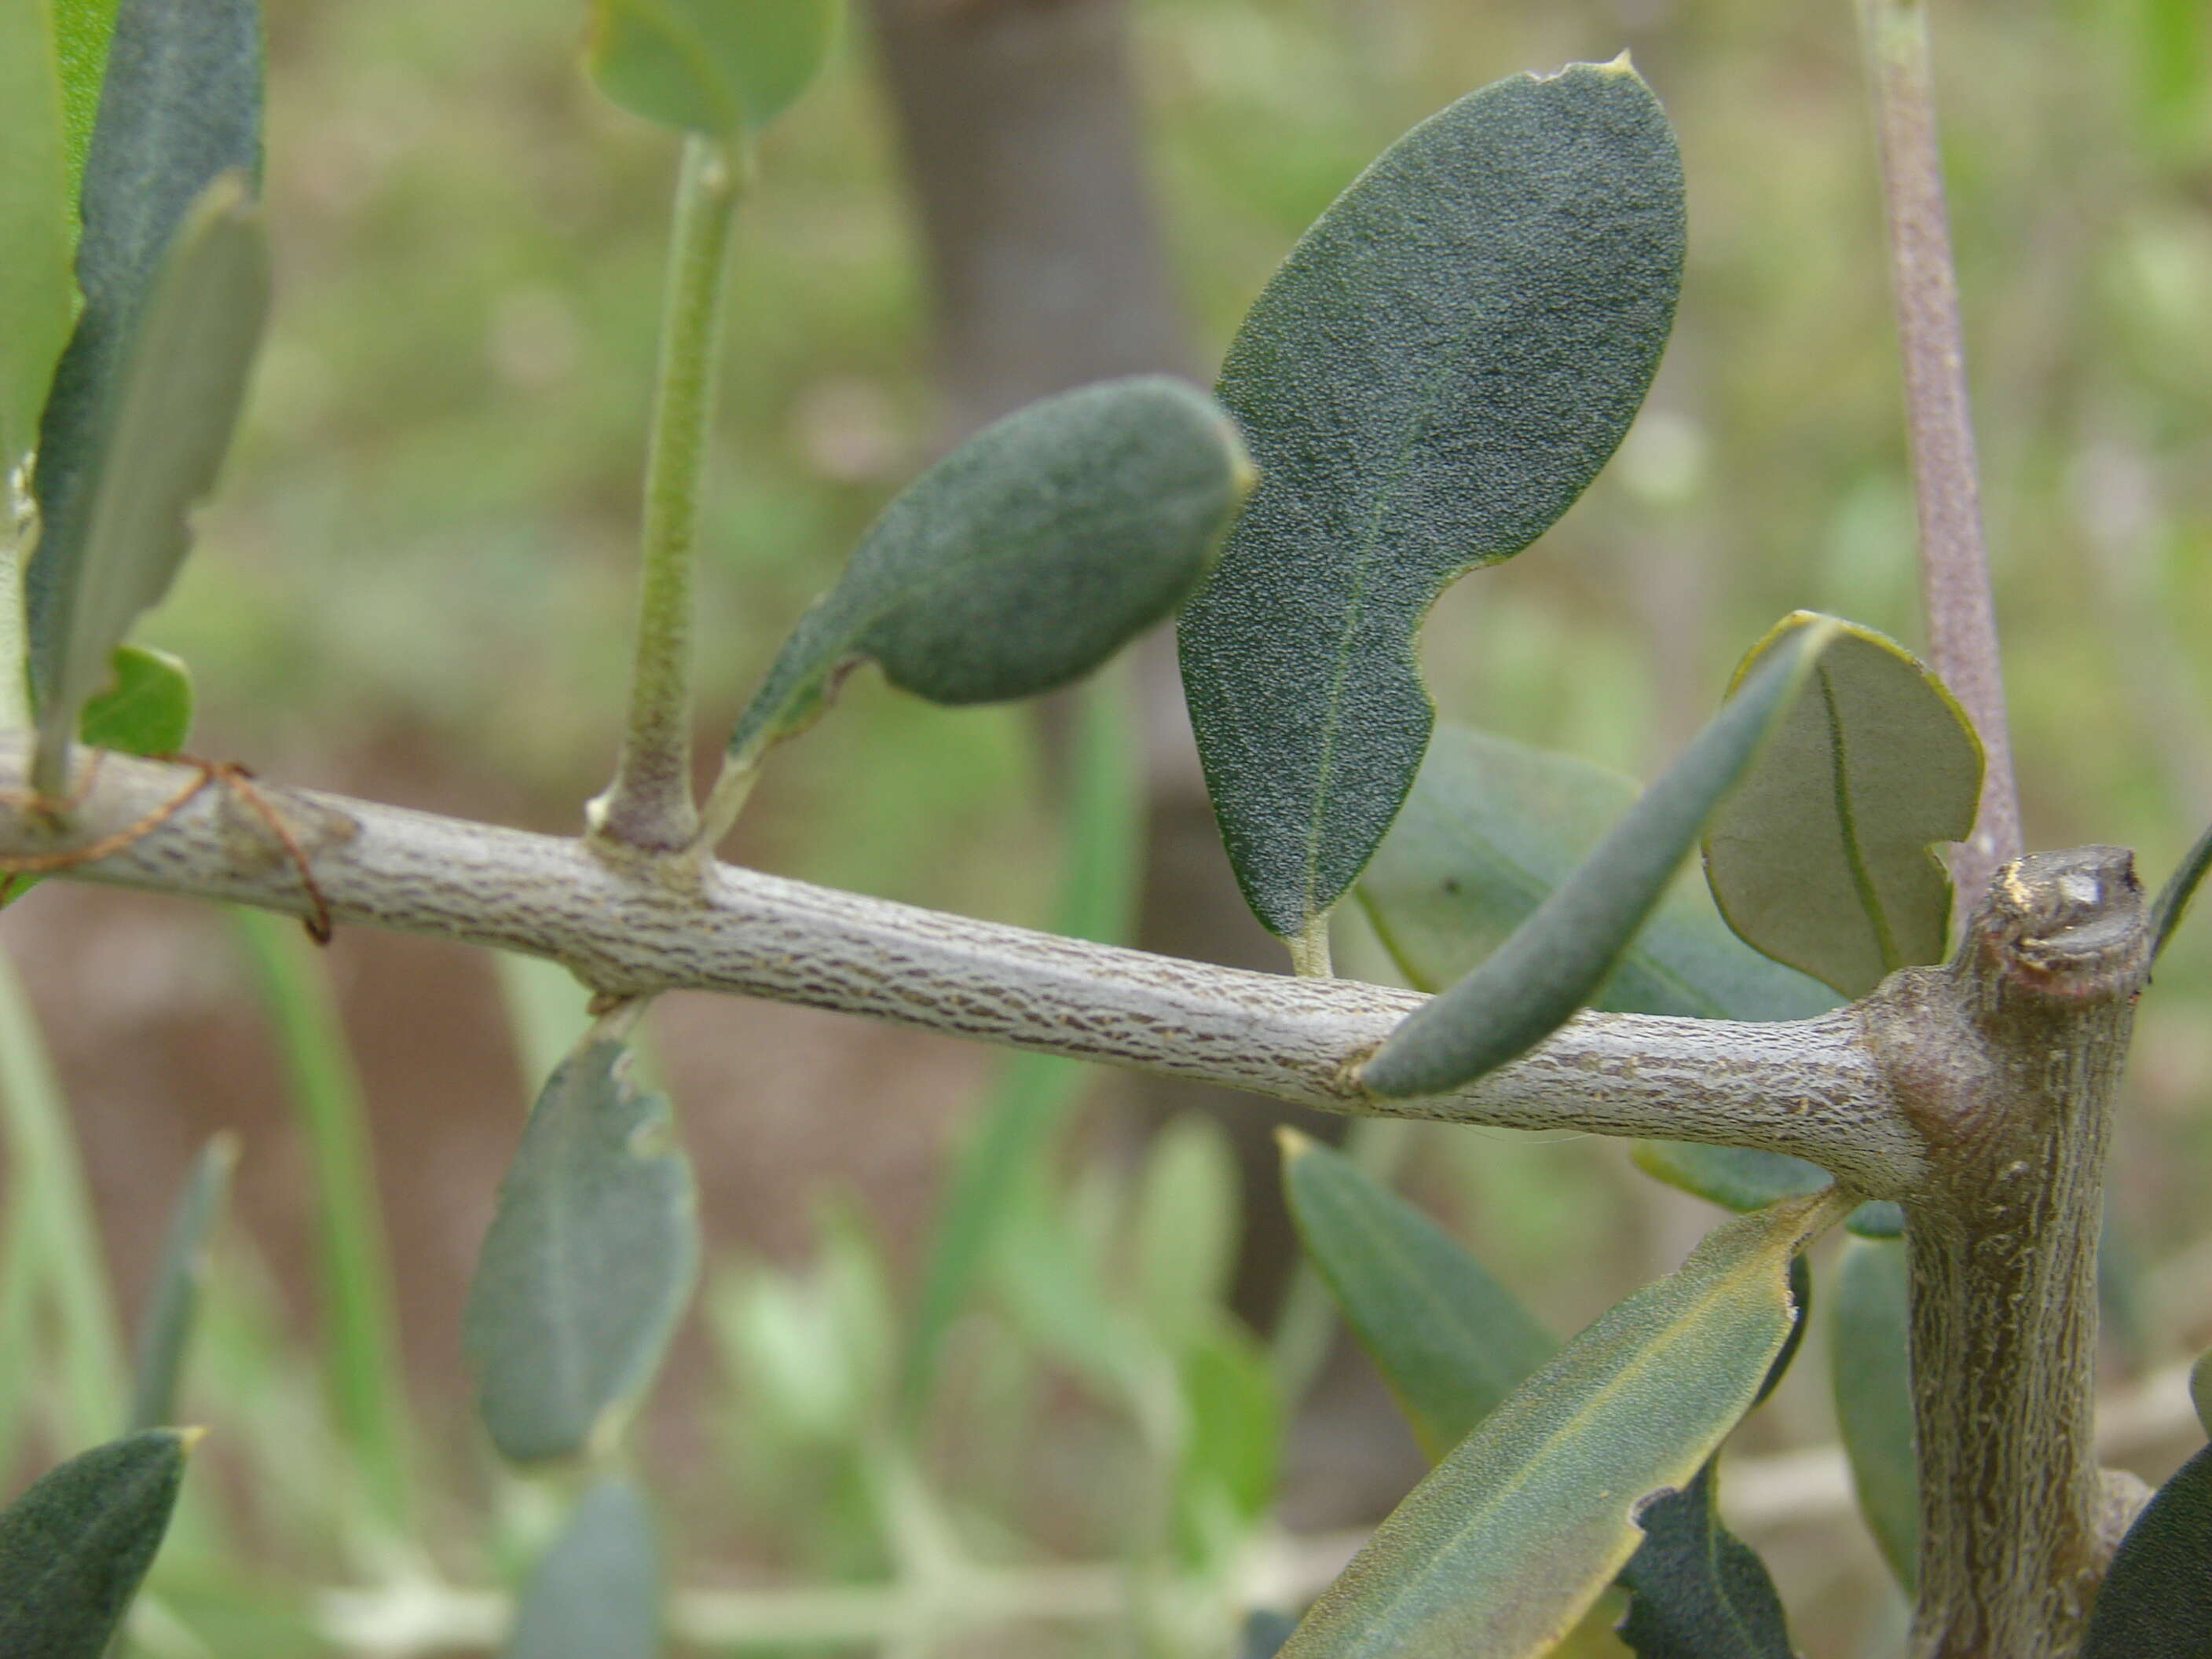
(1025, 558)
(1824, 857)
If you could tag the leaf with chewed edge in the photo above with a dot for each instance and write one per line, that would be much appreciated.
(1436, 372)
(590, 1256)
(1508, 1539)
(1698, 1591)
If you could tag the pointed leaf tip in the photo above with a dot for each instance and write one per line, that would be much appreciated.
(1554, 962)
(1436, 372)
(76, 1545)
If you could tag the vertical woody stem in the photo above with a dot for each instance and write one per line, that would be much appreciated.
(2006, 1062)
(1954, 571)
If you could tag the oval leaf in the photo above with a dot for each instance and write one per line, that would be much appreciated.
(73, 1548)
(1506, 1543)
(1023, 559)
(1438, 369)
(179, 106)
(168, 1320)
(1450, 1340)
(596, 1594)
(2157, 1595)
(38, 296)
(716, 66)
(1869, 1340)
(1554, 962)
(1696, 1591)
(123, 530)
(1824, 858)
(1492, 828)
(587, 1263)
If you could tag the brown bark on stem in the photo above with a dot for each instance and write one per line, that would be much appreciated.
(2007, 1061)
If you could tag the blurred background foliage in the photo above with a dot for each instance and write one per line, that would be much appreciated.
(416, 584)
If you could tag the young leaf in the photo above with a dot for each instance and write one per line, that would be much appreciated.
(716, 66)
(38, 296)
(1225, 1479)
(1438, 369)
(1506, 1543)
(2157, 1595)
(121, 530)
(590, 1256)
(73, 1548)
(1492, 828)
(596, 1594)
(1023, 559)
(2180, 887)
(1869, 1342)
(146, 709)
(179, 107)
(1823, 857)
(1450, 1340)
(1556, 959)
(1185, 1226)
(168, 1320)
(1698, 1591)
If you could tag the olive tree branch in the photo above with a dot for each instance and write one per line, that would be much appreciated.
(630, 925)
(1955, 564)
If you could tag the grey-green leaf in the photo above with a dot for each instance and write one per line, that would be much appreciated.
(1508, 1541)
(1449, 1338)
(1026, 557)
(2157, 1594)
(1824, 858)
(1555, 960)
(73, 1548)
(38, 296)
(714, 66)
(179, 107)
(1438, 369)
(1697, 1590)
(1868, 1345)
(596, 1594)
(118, 540)
(1492, 828)
(587, 1263)
(167, 1323)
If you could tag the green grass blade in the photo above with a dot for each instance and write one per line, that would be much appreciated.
(596, 1594)
(1436, 372)
(361, 1357)
(1502, 1549)
(589, 1259)
(1101, 868)
(38, 294)
(2180, 887)
(46, 1183)
(1450, 1340)
(1554, 962)
(74, 1546)
(1869, 1346)
(1824, 857)
(169, 1321)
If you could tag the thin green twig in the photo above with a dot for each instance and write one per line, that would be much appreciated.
(649, 804)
